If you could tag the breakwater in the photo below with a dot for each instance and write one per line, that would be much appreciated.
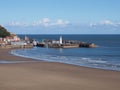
(65, 44)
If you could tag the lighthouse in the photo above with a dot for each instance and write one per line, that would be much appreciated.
(60, 40)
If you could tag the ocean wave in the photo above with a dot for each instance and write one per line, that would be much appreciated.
(93, 62)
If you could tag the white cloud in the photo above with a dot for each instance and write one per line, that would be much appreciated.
(61, 22)
(43, 22)
(47, 26)
(47, 22)
(104, 22)
(36, 23)
(107, 22)
(14, 23)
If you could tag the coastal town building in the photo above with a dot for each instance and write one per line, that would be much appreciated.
(12, 38)
(2, 43)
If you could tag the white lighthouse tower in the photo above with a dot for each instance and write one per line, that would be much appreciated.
(60, 40)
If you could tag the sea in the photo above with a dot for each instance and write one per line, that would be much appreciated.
(105, 56)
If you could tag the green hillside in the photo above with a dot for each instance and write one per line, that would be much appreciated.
(3, 32)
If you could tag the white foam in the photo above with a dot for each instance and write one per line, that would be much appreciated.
(81, 61)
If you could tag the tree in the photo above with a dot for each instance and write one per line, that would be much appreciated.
(4, 32)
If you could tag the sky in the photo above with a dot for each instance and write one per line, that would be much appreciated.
(61, 16)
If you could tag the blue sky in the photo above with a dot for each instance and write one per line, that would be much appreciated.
(64, 16)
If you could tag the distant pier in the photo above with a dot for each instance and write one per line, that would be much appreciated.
(65, 44)
(85, 45)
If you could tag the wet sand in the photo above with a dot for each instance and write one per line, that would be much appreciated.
(53, 76)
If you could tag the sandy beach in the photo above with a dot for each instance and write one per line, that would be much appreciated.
(53, 76)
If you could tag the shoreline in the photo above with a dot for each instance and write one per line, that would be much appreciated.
(5, 55)
(53, 76)
(30, 60)
(39, 60)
